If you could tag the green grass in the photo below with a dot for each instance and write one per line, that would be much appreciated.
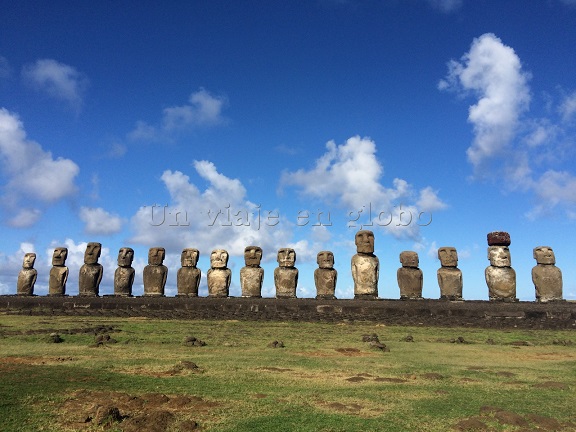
(243, 385)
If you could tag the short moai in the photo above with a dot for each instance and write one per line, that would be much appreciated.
(219, 276)
(27, 276)
(365, 266)
(286, 274)
(124, 274)
(90, 274)
(188, 276)
(449, 275)
(325, 276)
(546, 276)
(58, 273)
(155, 273)
(252, 275)
(500, 276)
(410, 277)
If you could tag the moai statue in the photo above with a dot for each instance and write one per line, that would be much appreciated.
(286, 275)
(155, 273)
(410, 278)
(325, 276)
(365, 267)
(219, 276)
(449, 275)
(500, 276)
(124, 274)
(90, 273)
(546, 276)
(252, 275)
(188, 276)
(27, 276)
(58, 272)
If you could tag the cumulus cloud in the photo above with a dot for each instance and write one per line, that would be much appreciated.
(100, 222)
(58, 80)
(446, 6)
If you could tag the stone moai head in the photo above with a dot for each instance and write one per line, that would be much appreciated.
(409, 259)
(156, 255)
(92, 253)
(189, 257)
(544, 255)
(252, 255)
(286, 257)
(125, 257)
(499, 256)
(448, 256)
(364, 242)
(218, 259)
(29, 260)
(59, 256)
(325, 259)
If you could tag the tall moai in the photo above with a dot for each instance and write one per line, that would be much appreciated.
(410, 277)
(449, 275)
(188, 276)
(252, 275)
(546, 276)
(58, 272)
(500, 276)
(325, 276)
(219, 276)
(27, 276)
(365, 266)
(125, 273)
(286, 274)
(90, 274)
(155, 273)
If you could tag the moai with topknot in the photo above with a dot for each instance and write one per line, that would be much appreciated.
(500, 276)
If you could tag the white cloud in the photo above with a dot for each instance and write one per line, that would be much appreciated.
(568, 106)
(58, 80)
(429, 200)
(446, 6)
(25, 217)
(99, 221)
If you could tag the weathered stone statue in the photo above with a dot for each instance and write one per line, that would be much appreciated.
(188, 276)
(155, 273)
(27, 276)
(546, 276)
(410, 278)
(90, 274)
(286, 275)
(252, 275)
(124, 274)
(325, 276)
(58, 272)
(219, 276)
(365, 267)
(449, 275)
(500, 276)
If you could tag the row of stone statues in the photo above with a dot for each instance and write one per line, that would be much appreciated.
(365, 266)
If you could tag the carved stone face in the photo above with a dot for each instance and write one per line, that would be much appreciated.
(364, 241)
(544, 255)
(448, 256)
(156, 256)
(325, 259)
(29, 260)
(286, 257)
(59, 256)
(189, 257)
(499, 256)
(218, 258)
(252, 255)
(409, 259)
(125, 257)
(92, 253)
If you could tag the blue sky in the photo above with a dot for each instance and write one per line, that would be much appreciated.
(139, 124)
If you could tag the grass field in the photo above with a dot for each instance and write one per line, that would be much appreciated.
(325, 378)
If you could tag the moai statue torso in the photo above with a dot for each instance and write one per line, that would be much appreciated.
(155, 273)
(90, 274)
(124, 274)
(325, 276)
(449, 275)
(500, 276)
(365, 266)
(27, 276)
(410, 278)
(286, 274)
(219, 276)
(58, 273)
(546, 276)
(252, 275)
(188, 276)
